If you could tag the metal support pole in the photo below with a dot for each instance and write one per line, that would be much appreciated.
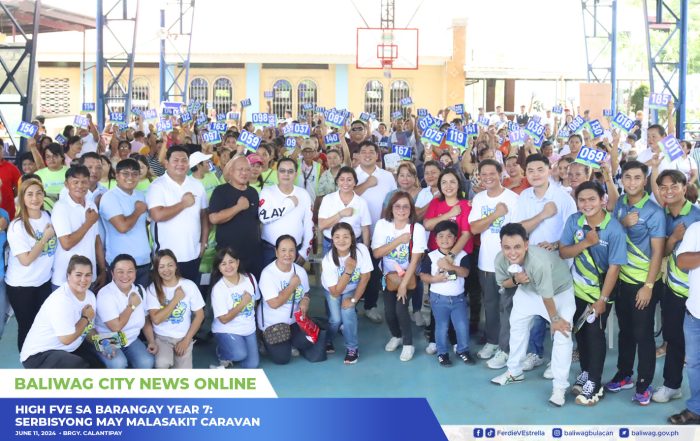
(613, 59)
(682, 71)
(161, 64)
(100, 67)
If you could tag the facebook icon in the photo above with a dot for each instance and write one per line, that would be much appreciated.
(478, 433)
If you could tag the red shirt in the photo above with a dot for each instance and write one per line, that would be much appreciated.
(519, 189)
(438, 208)
(9, 175)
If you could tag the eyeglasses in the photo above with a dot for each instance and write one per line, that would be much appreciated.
(357, 129)
(286, 171)
(133, 174)
(125, 147)
(402, 207)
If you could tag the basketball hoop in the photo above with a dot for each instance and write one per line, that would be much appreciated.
(387, 49)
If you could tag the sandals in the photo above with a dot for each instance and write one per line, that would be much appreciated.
(684, 418)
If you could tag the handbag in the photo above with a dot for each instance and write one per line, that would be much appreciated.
(279, 332)
(393, 278)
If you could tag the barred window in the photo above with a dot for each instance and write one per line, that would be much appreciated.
(374, 99)
(307, 93)
(199, 91)
(399, 90)
(141, 94)
(223, 95)
(116, 97)
(282, 97)
(54, 96)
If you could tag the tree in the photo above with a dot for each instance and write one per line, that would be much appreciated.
(637, 100)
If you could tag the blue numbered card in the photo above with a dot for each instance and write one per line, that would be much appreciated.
(28, 130)
(249, 140)
(607, 112)
(432, 136)
(320, 109)
(659, 100)
(534, 128)
(577, 125)
(622, 122)
(301, 130)
(169, 111)
(290, 143)
(201, 120)
(60, 139)
(194, 106)
(425, 122)
(185, 117)
(558, 110)
(81, 121)
(150, 114)
(483, 120)
(260, 119)
(459, 109)
(535, 118)
(591, 157)
(246, 102)
(564, 133)
(221, 117)
(220, 126)
(116, 117)
(211, 137)
(136, 111)
(88, 107)
(164, 126)
(516, 137)
(307, 106)
(364, 116)
(331, 139)
(456, 138)
(335, 119)
(513, 126)
(472, 130)
(537, 141)
(422, 112)
(268, 94)
(272, 118)
(287, 130)
(406, 102)
(671, 147)
(596, 128)
(233, 116)
(396, 115)
(404, 151)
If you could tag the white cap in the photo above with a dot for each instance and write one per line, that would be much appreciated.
(197, 158)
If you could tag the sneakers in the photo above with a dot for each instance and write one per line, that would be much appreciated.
(467, 358)
(373, 315)
(581, 380)
(506, 378)
(431, 349)
(488, 351)
(590, 393)
(393, 344)
(644, 398)
(548, 372)
(665, 394)
(351, 356)
(223, 364)
(330, 349)
(444, 360)
(532, 361)
(558, 396)
(295, 352)
(418, 318)
(619, 382)
(407, 352)
(498, 361)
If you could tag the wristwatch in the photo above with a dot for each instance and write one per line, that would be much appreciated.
(133, 307)
(353, 301)
(649, 285)
(515, 282)
(556, 318)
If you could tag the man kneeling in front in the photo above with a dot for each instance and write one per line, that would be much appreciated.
(544, 288)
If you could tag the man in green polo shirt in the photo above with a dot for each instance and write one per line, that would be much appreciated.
(545, 289)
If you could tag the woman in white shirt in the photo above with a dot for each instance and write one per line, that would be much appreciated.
(120, 308)
(233, 299)
(61, 335)
(176, 308)
(399, 241)
(33, 243)
(345, 273)
(344, 205)
(284, 288)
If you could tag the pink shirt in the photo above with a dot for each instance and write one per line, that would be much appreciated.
(438, 207)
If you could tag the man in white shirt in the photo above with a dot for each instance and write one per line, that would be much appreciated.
(90, 137)
(656, 133)
(374, 184)
(491, 210)
(285, 209)
(177, 205)
(75, 221)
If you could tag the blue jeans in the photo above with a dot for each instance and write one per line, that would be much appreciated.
(446, 308)
(691, 331)
(134, 355)
(4, 306)
(337, 316)
(242, 349)
(537, 334)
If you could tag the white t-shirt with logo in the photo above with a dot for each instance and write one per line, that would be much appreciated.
(453, 287)
(331, 273)
(67, 217)
(226, 296)
(385, 232)
(691, 244)
(332, 204)
(374, 196)
(272, 282)
(111, 302)
(178, 323)
(39, 271)
(482, 206)
(279, 216)
(57, 318)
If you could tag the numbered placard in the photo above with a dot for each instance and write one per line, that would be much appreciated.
(211, 137)
(425, 122)
(534, 128)
(671, 148)
(249, 140)
(150, 115)
(218, 126)
(513, 126)
(564, 133)
(404, 151)
(320, 109)
(591, 157)
(459, 109)
(185, 117)
(597, 129)
(290, 143)
(607, 112)
(577, 125)
(396, 115)
(221, 117)
(558, 110)
(331, 139)
(201, 120)
(422, 112)
(483, 120)
(432, 136)
(117, 117)
(81, 122)
(194, 106)
(622, 122)
(516, 137)
(472, 130)
(164, 126)
(364, 116)
(268, 94)
(260, 119)
(28, 130)
(659, 100)
(60, 139)
(245, 103)
(307, 106)
(335, 119)
(300, 130)
(456, 138)
(88, 107)
(535, 118)
(406, 101)
(233, 116)
(169, 111)
(537, 141)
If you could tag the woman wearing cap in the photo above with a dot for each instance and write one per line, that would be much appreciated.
(256, 167)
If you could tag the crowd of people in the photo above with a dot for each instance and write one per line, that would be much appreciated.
(127, 246)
